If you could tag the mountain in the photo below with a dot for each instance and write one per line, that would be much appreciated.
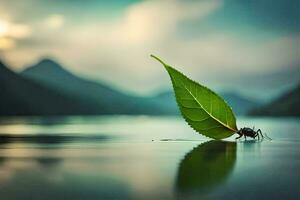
(286, 105)
(240, 105)
(20, 96)
(267, 85)
(104, 99)
(167, 100)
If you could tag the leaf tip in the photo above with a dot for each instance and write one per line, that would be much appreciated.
(159, 60)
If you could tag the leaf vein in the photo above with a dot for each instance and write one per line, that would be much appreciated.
(210, 114)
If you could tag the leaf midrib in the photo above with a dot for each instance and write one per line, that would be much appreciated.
(210, 114)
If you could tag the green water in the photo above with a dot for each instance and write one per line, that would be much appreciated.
(125, 157)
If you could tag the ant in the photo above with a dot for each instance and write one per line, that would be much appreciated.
(248, 132)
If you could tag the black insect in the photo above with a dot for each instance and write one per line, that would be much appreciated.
(249, 132)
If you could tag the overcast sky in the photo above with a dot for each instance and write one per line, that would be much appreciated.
(212, 41)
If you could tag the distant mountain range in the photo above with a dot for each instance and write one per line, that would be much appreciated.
(267, 85)
(52, 75)
(20, 96)
(47, 88)
(102, 98)
(285, 105)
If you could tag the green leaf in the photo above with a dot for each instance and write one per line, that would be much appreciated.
(204, 110)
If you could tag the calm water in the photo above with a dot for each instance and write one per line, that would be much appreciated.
(144, 158)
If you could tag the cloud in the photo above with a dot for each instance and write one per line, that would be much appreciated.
(55, 21)
(152, 21)
(19, 31)
(124, 46)
(118, 50)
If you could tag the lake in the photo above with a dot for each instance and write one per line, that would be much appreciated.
(140, 157)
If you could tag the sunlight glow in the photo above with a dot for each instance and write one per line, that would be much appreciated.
(7, 43)
(3, 28)
(14, 30)
(10, 32)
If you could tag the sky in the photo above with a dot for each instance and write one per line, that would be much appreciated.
(216, 42)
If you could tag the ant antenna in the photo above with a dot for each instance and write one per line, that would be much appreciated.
(267, 136)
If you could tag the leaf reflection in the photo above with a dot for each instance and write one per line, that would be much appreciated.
(205, 167)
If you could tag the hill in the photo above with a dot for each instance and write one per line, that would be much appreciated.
(102, 98)
(285, 105)
(241, 105)
(20, 96)
(266, 85)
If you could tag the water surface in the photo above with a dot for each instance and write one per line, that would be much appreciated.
(124, 157)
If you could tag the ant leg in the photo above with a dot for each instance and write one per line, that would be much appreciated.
(238, 137)
(257, 135)
(259, 132)
(245, 137)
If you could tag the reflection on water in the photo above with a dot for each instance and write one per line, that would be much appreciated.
(48, 161)
(49, 139)
(130, 158)
(36, 185)
(205, 167)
